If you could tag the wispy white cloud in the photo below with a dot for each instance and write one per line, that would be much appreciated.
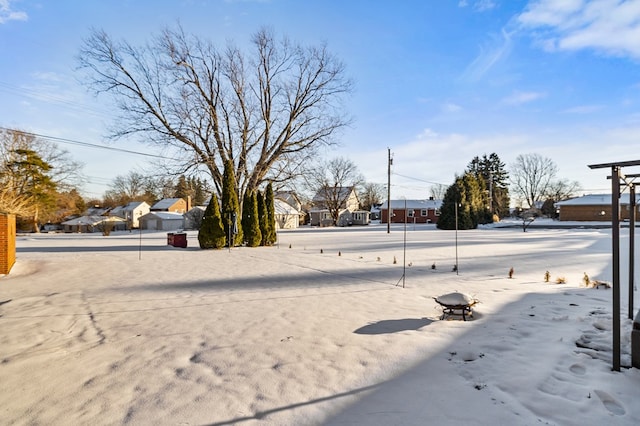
(478, 5)
(7, 14)
(489, 56)
(484, 5)
(451, 107)
(519, 98)
(608, 26)
(583, 109)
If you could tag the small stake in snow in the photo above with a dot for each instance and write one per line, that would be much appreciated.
(394, 260)
(511, 273)
(433, 266)
(289, 245)
(547, 276)
(339, 254)
(321, 251)
(586, 280)
(455, 268)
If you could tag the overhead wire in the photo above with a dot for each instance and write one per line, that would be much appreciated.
(88, 144)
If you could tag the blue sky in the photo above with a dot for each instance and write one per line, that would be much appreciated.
(437, 82)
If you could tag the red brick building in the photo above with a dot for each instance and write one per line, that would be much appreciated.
(411, 211)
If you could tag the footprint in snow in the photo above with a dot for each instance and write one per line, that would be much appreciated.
(610, 403)
(577, 369)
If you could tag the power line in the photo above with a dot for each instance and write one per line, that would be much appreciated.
(88, 145)
(419, 180)
(47, 97)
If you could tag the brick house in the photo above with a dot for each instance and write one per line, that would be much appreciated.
(593, 207)
(413, 211)
(174, 205)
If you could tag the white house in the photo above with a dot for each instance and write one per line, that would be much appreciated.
(345, 197)
(286, 216)
(131, 212)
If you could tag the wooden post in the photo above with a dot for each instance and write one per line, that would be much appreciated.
(7, 242)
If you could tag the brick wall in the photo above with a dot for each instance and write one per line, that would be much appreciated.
(592, 213)
(7, 242)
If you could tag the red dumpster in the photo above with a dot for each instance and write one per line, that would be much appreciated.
(179, 240)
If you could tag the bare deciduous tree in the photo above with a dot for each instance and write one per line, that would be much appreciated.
(333, 182)
(437, 191)
(563, 189)
(371, 194)
(531, 177)
(126, 188)
(204, 105)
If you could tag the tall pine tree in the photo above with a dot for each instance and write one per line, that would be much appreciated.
(269, 202)
(466, 193)
(230, 206)
(263, 219)
(496, 181)
(211, 234)
(182, 189)
(251, 220)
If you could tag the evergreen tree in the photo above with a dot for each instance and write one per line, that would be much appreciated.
(211, 234)
(269, 202)
(475, 200)
(36, 184)
(251, 220)
(496, 181)
(465, 196)
(199, 192)
(182, 189)
(246, 212)
(263, 219)
(230, 205)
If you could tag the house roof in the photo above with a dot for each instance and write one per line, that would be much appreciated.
(595, 200)
(413, 204)
(129, 207)
(92, 220)
(165, 203)
(96, 211)
(289, 197)
(344, 192)
(284, 208)
(164, 215)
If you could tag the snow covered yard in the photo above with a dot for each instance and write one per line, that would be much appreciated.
(319, 330)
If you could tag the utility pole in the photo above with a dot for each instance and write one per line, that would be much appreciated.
(389, 211)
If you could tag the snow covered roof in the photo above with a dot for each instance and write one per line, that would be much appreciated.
(595, 200)
(92, 220)
(165, 215)
(284, 208)
(165, 204)
(343, 192)
(413, 204)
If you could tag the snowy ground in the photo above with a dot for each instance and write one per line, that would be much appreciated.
(319, 330)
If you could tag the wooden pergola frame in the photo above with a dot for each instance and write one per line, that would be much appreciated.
(619, 179)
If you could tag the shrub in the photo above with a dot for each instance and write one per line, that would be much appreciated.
(211, 234)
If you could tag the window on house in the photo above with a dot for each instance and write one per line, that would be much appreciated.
(423, 212)
(437, 212)
(410, 213)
